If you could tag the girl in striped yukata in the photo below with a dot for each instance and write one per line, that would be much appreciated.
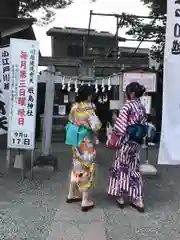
(125, 178)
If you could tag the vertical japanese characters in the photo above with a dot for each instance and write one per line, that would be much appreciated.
(14, 88)
(6, 69)
(26, 98)
(22, 88)
(176, 41)
(31, 100)
(4, 89)
(26, 88)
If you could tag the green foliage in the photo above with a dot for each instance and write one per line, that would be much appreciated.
(28, 6)
(154, 30)
(47, 7)
(158, 7)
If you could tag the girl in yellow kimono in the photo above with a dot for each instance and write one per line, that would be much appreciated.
(82, 177)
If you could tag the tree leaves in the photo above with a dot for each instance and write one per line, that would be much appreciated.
(158, 7)
(47, 7)
(31, 5)
(154, 30)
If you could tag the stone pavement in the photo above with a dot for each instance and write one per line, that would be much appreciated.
(36, 210)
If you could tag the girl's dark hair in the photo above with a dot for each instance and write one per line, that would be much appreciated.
(135, 87)
(84, 92)
(149, 118)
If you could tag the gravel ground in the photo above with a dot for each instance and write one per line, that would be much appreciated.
(31, 210)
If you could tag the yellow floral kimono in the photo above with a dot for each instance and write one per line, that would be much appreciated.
(84, 156)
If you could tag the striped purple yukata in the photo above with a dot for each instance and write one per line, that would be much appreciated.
(125, 177)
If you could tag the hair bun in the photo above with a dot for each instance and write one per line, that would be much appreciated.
(135, 87)
(142, 90)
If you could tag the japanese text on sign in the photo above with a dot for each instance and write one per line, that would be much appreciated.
(20, 138)
(22, 87)
(4, 88)
(31, 99)
(6, 69)
(175, 50)
(22, 110)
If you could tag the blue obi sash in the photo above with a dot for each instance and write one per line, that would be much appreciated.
(75, 134)
(137, 132)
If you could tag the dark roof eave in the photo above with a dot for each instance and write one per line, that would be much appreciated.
(7, 24)
(30, 20)
(52, 33)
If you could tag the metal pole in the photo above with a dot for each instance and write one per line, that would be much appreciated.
(84, 40)
(121, 15)
(32, 162)
(89, 29)
(117, 37)
(132, 16)
(139, 40)
(147, 168)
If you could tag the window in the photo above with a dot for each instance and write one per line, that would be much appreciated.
(75, 51)
(96, 51)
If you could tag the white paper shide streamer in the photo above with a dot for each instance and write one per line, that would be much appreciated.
(109, 84)
(69, 85)
(63, 83)
(76, 86)
(103, 86)
(96, 87)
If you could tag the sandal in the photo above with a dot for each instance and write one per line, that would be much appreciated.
(120, 205)
(87, 205)
(73, 200)
(138, 208)
(87, 208)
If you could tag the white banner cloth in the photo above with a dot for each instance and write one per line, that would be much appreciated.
(169, 152)
(23, 93)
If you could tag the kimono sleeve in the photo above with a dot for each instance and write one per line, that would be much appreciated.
(121, 123)
(94, 122)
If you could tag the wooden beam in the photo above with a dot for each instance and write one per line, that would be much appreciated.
(122, 15)
(138, 40)
(74, 62)
(62, 62)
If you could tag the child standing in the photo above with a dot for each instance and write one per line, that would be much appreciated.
(151, 132)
